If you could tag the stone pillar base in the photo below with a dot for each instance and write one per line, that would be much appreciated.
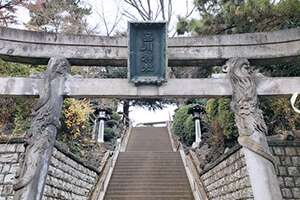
(195, 145)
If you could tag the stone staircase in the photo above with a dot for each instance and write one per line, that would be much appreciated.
(149, 170)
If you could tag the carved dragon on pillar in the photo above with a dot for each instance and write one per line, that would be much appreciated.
(40, 138)
(248, 116)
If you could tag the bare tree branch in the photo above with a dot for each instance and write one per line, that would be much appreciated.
(189, 13)
(170, 11)
(117, 18)
(162, 5)
(7, 11)
(158, 11)
(140, 8)
(149, 10)
(129, 15)
(143, 9)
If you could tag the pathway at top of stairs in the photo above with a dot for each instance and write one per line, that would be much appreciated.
(149, 169)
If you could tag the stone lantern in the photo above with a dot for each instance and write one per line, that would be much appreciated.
(101, 115)
(197, 112)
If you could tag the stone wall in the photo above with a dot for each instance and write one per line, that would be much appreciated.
(68, 178)
(287, 155)
(227, 178)
(10, 155)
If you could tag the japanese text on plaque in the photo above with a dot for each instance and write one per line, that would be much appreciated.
(147, 53)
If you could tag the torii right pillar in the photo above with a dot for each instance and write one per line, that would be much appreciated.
(252, 130)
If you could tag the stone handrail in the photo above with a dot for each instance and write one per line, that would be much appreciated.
(198, 184)
(102, 176)
(37, 47)
(190, 167)
(103, 171)
(126, 138)
(174, 139)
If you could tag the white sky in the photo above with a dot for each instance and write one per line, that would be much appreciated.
(138, 114)
(112, 8)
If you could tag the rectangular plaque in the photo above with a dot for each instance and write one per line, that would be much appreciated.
(147, 48)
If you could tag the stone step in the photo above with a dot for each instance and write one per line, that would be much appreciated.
(147, 179)
(152, 164)
(170, 177)
(153, 154)
(149, 170)
(149, 184)
(149, 139)
(149, 197)
(149, 187)
(163, 192)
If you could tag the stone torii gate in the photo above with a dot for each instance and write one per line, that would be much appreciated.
(236, 52)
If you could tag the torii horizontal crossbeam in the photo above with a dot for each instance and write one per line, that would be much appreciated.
(121, 88)
(259, 48)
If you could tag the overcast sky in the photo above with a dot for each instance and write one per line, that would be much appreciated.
(111, 9)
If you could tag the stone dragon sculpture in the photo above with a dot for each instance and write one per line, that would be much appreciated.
(40, 138)
(248, 116)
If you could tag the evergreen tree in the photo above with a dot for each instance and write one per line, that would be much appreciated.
(244, 16)
(68, 16)
(241, 16)
(8, 10)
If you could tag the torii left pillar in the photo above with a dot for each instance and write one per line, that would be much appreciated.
(31, 178)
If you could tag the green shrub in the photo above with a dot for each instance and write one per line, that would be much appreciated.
(109, 134)
(22, 114)
(183, 125)
(17, 69)
(279, 114)
(189, 129)
(16, 111)
(218, 111)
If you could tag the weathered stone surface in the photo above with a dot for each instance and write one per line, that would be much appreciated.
(252, 129)
(287, 193)
(282, 171)
(37, 47)
(228, 179)
(42, 132)
(289, 182)
(288, 167)
(10, 155)
(81, 87)
(297, 181)
(8, 148)
(68, 179)
(279, 151)
(293, 171)
(290, 151)
(296, 192)
(285, 160)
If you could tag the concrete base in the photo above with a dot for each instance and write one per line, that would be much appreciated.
(261, 171)
(195, 145)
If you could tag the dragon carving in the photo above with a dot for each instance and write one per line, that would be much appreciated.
(248, 116)
(40, 138)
